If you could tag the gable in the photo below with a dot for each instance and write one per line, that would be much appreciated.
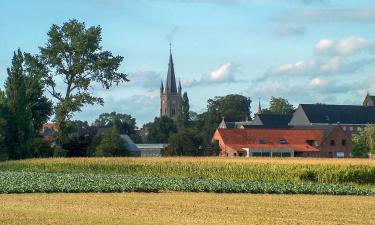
(299, 118)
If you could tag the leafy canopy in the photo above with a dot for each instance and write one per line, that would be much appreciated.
(72, 61)
(279, 105)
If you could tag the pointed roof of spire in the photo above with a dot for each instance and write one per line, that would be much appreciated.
(162, 86)
(259, 108)
(171, 78)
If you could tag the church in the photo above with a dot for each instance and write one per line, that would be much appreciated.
(170, 95)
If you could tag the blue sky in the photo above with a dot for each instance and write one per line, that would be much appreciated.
(307, 51)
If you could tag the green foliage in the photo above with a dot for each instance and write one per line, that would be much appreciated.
(19, 118)
(160, 130)
(111, 144)
(279, 105)
(23, 182)
(73, 55)
(232, 107)
(3, 123)
(186, 142)
(40, 148)
(125, 123)
(183, 116)
(360, 148)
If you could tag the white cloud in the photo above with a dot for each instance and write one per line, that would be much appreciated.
(299, 68)
(225, 73)
(286, 31)
(347, 46)
(324, 45)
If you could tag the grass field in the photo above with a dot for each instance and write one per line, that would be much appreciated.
(185, 208)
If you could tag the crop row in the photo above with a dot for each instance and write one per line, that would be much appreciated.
(207, 168)
(31, 182)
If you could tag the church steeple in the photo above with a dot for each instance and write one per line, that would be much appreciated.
(259, 108)
(169, 94)
(171, 78)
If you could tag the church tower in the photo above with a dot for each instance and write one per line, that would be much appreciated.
(169, 94)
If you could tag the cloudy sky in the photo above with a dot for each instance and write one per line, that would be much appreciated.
(307, 51)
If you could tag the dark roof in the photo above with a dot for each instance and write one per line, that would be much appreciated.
(372, 97)
(171, 78)
(275, 120)
(344, 114)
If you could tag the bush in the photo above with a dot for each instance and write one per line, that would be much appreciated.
(41, 148)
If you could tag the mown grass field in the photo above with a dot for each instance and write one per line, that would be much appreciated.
(185, 208)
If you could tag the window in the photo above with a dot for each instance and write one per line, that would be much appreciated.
(359, 128)
(262, 141)
(234, 154)
(286, 154)
(351, 128)
(312, 142)
(344, 128)
(343, 142)
(340, 155)
(332, 142)
(283, 141)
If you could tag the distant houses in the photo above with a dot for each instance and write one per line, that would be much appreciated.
(313, 130)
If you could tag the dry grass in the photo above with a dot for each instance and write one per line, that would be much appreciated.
(185, 208)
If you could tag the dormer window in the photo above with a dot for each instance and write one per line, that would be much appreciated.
(283, 141)
(312, 142)
(262, 141)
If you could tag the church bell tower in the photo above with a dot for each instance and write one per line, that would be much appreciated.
(169, 94)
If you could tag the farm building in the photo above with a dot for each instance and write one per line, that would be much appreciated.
(320, 141)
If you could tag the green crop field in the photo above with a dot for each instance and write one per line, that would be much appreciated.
(185, 208)
(357, 171)
(280, 176)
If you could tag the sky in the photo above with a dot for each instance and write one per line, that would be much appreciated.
(306, 51)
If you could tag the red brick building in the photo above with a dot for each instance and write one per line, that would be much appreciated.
(324, 141)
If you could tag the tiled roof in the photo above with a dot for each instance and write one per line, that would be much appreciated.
(344, 114)
(252, 138)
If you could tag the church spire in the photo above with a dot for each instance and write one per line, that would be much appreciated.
(179, 87)
(171, 78)
(162, 87)
(259, 108)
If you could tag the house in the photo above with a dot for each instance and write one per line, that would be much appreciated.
(352, 118)
(323, 141)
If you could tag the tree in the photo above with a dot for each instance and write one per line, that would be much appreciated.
(360, 148)
(160, 130)
(3, 147)
(73, 56)
(279, 105)
(111, 144)
(369, 135)
(232, 107)
(124, 122)
(40, 105)
(183, 116)
(19, 120)
(186, 142)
